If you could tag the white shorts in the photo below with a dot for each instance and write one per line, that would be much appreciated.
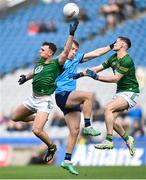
(130, 97)
(42, 103)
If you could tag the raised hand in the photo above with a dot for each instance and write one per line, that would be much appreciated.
(112, 45)
(22, 79)
(73, 27)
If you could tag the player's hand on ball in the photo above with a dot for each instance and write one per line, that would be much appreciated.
(92, 74)
(73, 27)
(22, 79)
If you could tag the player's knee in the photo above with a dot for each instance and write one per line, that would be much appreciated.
(36, 131)
(15, 118)
(75, 131)
(115, 123)
(89, 96)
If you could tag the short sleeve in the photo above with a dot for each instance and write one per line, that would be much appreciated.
(106, 64)
(80, 57)
(56, 61)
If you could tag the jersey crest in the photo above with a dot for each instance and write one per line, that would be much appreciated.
(38, 69)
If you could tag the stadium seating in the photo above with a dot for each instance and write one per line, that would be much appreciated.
(132, 28)
(18, 49)
(141, 5)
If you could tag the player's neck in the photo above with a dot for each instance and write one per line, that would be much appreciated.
(121, 54)
(47, 61)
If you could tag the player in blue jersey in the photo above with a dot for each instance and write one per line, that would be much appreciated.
(69, 100)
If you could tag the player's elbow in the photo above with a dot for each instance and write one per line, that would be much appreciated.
(115, 80)
(64, 56)
(15, 118)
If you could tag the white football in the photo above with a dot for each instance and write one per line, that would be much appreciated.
(71, 10)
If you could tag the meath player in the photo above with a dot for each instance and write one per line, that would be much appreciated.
(44, 77)
(127, 91)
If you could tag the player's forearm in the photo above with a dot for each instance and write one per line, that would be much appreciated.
(97, 68)
(101, 51)
(96, 53)
(108, 79)
(68, 45)
(64, 55)
(69, 41)
(29, 76)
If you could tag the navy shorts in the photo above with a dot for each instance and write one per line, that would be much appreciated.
(61, 99)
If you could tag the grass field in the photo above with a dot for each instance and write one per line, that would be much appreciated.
(53, 172)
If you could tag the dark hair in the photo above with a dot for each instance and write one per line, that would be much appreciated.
(76, 43)
(126, 40)
(52, 46)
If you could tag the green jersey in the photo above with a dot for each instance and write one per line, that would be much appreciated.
(126, 67)
(44, 77)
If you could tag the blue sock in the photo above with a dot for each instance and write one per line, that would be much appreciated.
(87, 122)
(68, 156)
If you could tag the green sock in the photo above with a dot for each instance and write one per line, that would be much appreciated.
(52, 146)
(109, 137)
(125, 137)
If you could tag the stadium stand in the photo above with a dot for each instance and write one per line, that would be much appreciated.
(23, 48)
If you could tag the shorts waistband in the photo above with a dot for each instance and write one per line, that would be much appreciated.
(39, 96)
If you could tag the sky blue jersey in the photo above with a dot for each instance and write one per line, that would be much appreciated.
(64, 83)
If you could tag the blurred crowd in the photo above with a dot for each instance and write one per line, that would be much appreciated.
(115, 12)
(42, 27)
(35, 28)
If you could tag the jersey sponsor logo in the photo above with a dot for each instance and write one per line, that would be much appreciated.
(123, 68)
(42, 90)
(38, 69)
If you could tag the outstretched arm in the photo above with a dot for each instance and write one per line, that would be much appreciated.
(98, 68)
(63, 56)
(92, 73)
(110, 79)
(97, 52)
(95, 70)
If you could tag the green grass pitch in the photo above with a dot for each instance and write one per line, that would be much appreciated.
(54, 172)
